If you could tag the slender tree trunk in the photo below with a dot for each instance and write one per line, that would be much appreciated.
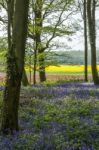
(39, 47)
(15, 65)
(30, 69)
(85, 41)
(42, 73)
(35, 58)
(35, 63)
(92, 38)
(25, 79)
(34, 45)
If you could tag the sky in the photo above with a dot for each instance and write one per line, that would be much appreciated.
(77, 42)
(74, 42)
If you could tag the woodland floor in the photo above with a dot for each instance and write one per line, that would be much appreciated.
(55, 77)
(56, 117)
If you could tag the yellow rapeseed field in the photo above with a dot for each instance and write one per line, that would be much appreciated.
(63, 68)
(68, 68)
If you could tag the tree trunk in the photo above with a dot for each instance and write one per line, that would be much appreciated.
(42, 73)
(10, 6)
(85, 41)
(92, 37)
(25, 79)
(35, 49)
(34, 71)
(10, 12)
(35, 64)
(15, 65)
(39, 47)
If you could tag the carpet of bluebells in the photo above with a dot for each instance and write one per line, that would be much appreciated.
(56, 117)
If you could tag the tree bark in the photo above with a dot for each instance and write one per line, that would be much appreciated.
(25, 79)
(10, 12)
(10, 6)
(85, 41)
(42, 74)
(39, 47)
(92, 37)
(15, 65)
(35, 65)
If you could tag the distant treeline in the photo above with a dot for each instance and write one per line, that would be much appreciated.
(71, 57)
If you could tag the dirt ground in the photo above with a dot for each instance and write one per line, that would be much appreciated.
(52, 77)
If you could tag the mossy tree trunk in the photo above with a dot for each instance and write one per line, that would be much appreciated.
(15, 66)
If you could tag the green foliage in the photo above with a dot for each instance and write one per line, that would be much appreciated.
(59, 31)
(3, 52)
